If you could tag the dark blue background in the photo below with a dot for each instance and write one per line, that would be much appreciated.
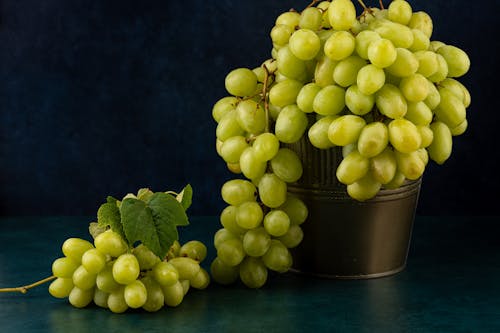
(100, 98)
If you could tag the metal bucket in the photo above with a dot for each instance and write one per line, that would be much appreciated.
(344, 238)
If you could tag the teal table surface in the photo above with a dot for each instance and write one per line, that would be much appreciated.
(451, 284)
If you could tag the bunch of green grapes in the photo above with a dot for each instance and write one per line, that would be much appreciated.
(374, 85)
(115, 276)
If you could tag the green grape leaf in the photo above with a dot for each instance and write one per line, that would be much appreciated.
(186, 197)
(153, 223)
(108, 215)
(95, 229)
(110, 199)
(144, 194)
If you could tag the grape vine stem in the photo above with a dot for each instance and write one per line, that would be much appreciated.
(363, 5)
(24, 289)
(314, 2)
(264, 94)
(381, 4)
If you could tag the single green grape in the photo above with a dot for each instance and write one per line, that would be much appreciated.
(442, 71)
(277, 258)
(228, 220)
(420, 41)
(231, 252)
(414, 87)
(342, 14)
(256, 242)
(187, 267)
(318, 132)
(399, 11)
(406, 64)
(251, 116)
(93, 261)
(165, 274)
(228, 127)
(311, 18)
(241, 82)
(364, 188)
(287, 165)
(155, 298)
(265, 146)
(291, 124)
(290, 19)
(280, 34)
(329, 101)
(323, 73)
(345, 129)
(284, 93)
(237, 191)
(251, 165)
(339, 45)
(382, 53)
(80, 298)
(272, 190)
(249, 215)
(253, 272)
(293, 237)
(105, 280)
(194, 249)
(451, 109)
(373, 139)
(223, 106)
(116, 301)
(442, 143)
(111, 243)
(126, 269)
(400, 35)
(419, 114)
(135, 294)
(101, 298)
(304, 44)
(61, 287)
(201, 280)
(296, 210)
(276, 223)
(357, 102)
(346, 71)
(383, 167)
(64, 267)
(83, 279)
(352, 168)
(232, 148)
(222, 273)
(421, 21)
(146, 258)
(306, 96)
(222, 235)
(370, 79)
(410, 164)
(363, 41)
(404, 135)
(173, 294)
(289, 65)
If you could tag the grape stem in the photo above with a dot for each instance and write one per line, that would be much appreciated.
(314, 2)
(381, 4)
(363, 5)
(24, 289)
(264, 94)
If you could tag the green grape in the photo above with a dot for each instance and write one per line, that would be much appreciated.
(186, 267)
(318, 133)
(341, 14)
(173, 294)
(61, 287)
(276, 223)
(146, 258)
(383, 166)
(291, 124)
(231, 252)
(400, 35)
(460, 129)
(419, 113)
(116, 301)
(382, 53)
(251, 116)
(373, 139)
(280, 34)
(457, 89)
(290, 19)
(249, 215)
(352, 168)
(272, 190)
(105, 280)
(194, 249)
(251, 166)
(442, 71)
(218, 146)
(451, 109)
(232, 148)
(80, 298)
(154, 297)
(93, 261)
(277, 258)
(265, 146)
(289, 65)
(228, 220)
(423, 155)
(64, 267)
(135, 294)
(101, 298)
(391, 102)
(287, 165)
(370, 79)
(404, 135)
(410, 164)
(304, 44)
(420, 41)
(363, 41)
(399, 11)
(396, 182)
(126, 269)
(364, 188)
(111, 243)
(237, 191)
(414, 87)
(228, 127)
(329, 101)
(256, 242)
(323, 6)
(433, 97)
(253, 272)
(241, 82)
(421, 21)
(222, 235)
(427, 63)
(347, 149)
(201, 280)
(311, 18)
(441, 146)
(74, 248)
(261, 75)
(426, 134)
(406, 63)
(222, 273)
(357, 102)
(295, 209)
(323, 73)
(83, 279)
(284, 93)
(345, 129)
(293, 237)
(339, 45)
(174, 250)
(346, 71)
(274, 111)
(306, 96)
(223, 106)
(165, 274)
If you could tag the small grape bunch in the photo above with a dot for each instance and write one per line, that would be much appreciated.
(115, 276)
